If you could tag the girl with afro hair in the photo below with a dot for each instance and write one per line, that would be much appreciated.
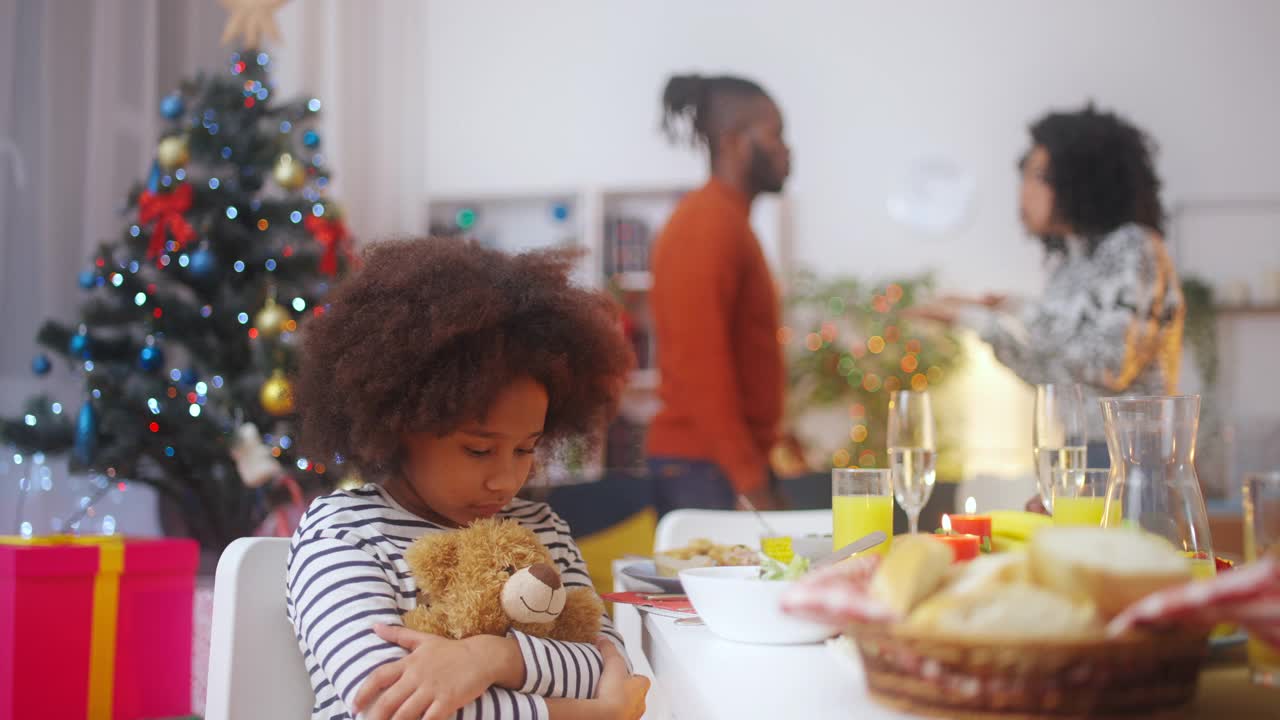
(440, 370)
(1110, 317)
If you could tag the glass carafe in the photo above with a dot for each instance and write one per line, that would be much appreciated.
(1152, 441)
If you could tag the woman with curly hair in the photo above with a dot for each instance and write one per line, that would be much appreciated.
(1110, 318)
(439, 371)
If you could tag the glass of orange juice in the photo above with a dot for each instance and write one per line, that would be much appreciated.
(1080, 497)
(861, 503)
(1262, 536)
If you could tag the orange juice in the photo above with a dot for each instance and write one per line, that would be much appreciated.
(854, 516)
(1083, 511)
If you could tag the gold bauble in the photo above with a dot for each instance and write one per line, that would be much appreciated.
(277, 394)
(289, 173)
(271, 320)
(172, 153)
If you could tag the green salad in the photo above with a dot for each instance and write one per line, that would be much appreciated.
(771, 569)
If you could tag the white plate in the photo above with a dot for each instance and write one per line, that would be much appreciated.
(646, 571)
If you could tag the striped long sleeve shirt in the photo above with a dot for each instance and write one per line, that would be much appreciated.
(347, 573)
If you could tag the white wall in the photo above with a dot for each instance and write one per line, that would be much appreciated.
(564, 93)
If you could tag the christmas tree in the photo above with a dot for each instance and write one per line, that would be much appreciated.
(187, 335)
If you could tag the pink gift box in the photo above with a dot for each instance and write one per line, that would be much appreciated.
(47, 594)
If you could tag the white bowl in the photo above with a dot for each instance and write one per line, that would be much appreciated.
(737, 605)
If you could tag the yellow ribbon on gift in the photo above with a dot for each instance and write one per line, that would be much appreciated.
(106, 605)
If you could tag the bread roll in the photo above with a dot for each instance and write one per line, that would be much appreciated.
(1112, 568)
(915, 567)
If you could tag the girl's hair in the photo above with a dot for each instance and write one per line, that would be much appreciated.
(697, 108)
(427, 333)
(1101, 172)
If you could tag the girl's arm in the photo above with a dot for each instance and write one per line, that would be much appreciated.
(337, 594)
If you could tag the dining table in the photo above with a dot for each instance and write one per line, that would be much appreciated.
(698, 676)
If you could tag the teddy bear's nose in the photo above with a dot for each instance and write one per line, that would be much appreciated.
(546, 574)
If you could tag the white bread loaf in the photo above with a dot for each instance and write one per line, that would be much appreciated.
(1004, 611)
(1112, 568)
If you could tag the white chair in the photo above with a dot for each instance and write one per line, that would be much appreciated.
(255, 668)
(729, 527)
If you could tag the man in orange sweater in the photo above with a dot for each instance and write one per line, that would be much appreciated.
(715, 307)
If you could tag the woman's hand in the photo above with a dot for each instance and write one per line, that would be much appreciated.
(437, 677)
(937, 311)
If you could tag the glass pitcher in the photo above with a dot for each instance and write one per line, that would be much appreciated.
(1152, 442)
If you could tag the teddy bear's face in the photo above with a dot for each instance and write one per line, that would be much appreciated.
(489, 577)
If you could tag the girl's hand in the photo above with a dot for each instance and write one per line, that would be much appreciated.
(437, 677)
(620, 693)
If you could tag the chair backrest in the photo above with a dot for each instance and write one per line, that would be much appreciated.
(729, 527)
(255, 667)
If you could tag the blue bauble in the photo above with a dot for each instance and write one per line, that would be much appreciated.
(311, 139)
(86, 440)
(40, 364)
(171, 106)
(150, 357)
(88, 279)
(202, 263)
(190, 376)
(560, 212)
(79, 345)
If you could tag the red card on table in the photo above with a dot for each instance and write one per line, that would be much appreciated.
(670, 603)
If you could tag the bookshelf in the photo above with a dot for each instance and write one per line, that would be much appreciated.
(613, 227)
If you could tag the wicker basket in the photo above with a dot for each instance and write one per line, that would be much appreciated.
(1148, 676)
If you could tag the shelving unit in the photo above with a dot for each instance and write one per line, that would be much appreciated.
(613, 227)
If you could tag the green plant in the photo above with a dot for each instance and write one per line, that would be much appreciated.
(849, 345)
(1200, 329)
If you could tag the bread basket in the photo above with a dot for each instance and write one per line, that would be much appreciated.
(1139, 675)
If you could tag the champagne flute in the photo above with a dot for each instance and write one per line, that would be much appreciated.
(1059, 435)
(912, 452)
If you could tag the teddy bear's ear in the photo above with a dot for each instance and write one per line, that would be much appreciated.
(431, 558)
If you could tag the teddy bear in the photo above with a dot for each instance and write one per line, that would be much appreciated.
(494, 576)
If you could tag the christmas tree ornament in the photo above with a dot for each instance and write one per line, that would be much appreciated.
(87, 279)
(78, 346)
(249, 21)
(172, 106)
(86, 435)
(150, 358)
(277, 394)
(166, 213)
(271, 319)
(173, 153)
(40, 364)
(289, 173)
(202, 264)
(311, 139)
(465, 218)
(153, 178)
(560, 211)
(254, 462)
(331, 233)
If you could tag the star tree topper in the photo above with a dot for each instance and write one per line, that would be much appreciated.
(250, 20)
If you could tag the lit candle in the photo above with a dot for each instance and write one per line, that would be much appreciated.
(964, 547)
(972, 524)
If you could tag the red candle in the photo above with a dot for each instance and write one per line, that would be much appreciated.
(979, 525)
(964, 547)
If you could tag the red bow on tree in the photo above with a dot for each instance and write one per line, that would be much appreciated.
(166, 211)
(330, 233)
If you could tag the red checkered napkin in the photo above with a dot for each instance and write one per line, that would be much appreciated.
(838, 595)
(1248, 595)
